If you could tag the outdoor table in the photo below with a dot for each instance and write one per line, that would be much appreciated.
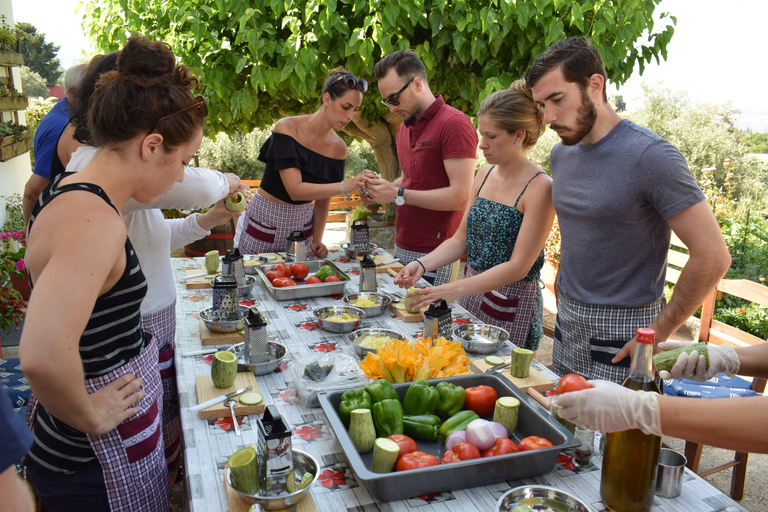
(207, 444)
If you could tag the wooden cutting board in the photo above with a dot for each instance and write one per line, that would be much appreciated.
(381, 258)
(238, 504)
(206, 390)
(198, 282)
(407, 317)
(535, 380)
(216, 338)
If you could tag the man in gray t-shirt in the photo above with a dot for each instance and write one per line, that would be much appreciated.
(618, 190)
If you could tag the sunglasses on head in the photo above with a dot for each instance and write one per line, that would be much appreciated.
(392, 98)
(352, 82)
(200, 104)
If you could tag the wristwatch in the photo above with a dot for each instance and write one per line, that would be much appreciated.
(400, 199)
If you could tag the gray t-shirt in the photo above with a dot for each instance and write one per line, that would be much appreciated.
(612, 200)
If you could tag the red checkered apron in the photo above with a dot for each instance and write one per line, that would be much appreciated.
(131, 456)
(268, 224)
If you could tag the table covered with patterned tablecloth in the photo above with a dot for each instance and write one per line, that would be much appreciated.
(208, 443)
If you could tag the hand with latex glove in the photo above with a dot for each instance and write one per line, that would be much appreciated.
(722, 359)
(610, 407)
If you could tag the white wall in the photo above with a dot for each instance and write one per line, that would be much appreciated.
(15, 172)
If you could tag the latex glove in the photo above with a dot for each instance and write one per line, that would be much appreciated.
(722, 359)
(610, 407)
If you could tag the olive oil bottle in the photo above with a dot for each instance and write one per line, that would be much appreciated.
(628, 480)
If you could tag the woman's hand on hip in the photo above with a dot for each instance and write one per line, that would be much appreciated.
(116, 402)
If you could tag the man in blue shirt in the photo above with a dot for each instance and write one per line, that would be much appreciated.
(47, 137)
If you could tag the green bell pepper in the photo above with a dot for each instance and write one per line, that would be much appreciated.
(381, 389)
(351, 400)
(325, 272)
(388, 417)
(420, 398)
(458, 421)
(451, 399)
(423, 426)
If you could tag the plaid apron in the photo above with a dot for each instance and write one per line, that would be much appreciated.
(131, 455)
(440, 276)
(268, 224)
(587, 337)
(520, 313)
(162, 325)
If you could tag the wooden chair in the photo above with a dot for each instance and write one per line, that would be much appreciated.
(719, 333)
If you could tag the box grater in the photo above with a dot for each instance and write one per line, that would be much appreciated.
(256, 345)
(297, 247)
(226, 264)
(360, 237)
(367, 274)
(274, 451)
(437, 320)
(238, 267)
(225, 307)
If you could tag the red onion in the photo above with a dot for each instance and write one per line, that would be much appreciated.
(501, 431)
(457, 436)
(481, 433)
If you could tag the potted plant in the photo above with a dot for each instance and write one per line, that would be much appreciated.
(390, 217)
(373, 207)
(12, 267)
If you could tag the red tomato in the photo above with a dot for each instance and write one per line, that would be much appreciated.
(332, 278)
(533, 443)
(461, 451)
(299, 270)
(273, 274)
(280, 282)
(481, 399)
(571, 382)
(313, 280)
(501, 446)
(290, 282)
(415, 460)
(406, 444)
(283, 269)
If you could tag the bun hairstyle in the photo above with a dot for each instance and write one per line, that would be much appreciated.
(513, 109)
(340, 81)
(146, 86)
(99, 65)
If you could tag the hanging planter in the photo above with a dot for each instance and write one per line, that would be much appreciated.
(12, 146)
(13, 103)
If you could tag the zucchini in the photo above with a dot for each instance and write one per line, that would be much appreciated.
(664, 361)
(361, 430)
(494, 360)
(212, 262)
(251, 398)
(385, 452)
(244, 466)
(521, 362)
(506, 412)
(306, 480)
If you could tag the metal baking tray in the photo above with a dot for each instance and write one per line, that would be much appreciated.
(301, 291)
(533, 421)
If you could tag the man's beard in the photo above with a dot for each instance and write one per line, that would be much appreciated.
(587, 115)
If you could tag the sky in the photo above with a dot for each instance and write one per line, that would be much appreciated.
(716, 54)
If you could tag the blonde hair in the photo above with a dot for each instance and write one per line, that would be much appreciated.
(513, 109)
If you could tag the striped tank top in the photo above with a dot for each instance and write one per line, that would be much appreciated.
(111, 338)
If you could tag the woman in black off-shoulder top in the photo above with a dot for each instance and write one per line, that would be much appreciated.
(305, 169)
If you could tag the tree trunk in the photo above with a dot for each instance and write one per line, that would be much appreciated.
(382, 136)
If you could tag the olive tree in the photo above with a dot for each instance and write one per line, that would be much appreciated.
(263, 59)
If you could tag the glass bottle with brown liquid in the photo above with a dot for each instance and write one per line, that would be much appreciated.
(628, 480)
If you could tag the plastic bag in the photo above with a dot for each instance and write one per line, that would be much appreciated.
(328, 372)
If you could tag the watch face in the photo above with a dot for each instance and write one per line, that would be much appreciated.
(399, 200)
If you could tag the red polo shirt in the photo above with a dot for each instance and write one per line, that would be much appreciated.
(423, 144)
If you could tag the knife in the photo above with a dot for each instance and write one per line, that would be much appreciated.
(388, 262)
(214, 401)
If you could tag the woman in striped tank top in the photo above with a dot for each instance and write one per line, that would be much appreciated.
(97, 395)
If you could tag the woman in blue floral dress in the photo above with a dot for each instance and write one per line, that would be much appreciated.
(505, 227)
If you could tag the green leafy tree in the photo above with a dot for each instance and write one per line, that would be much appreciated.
(264, 59)
(756, 142)
(38, 55)
(32, 83)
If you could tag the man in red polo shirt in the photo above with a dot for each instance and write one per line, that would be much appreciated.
(436, 147)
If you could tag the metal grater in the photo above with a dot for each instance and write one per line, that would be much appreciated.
(360, 237)
(275, 452)
(367, 274)
(437, 320)
(226, 264)
(238, 267)
(256, 345)
(297, 247)
(225, 307)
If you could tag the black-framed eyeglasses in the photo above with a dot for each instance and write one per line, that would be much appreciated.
(200, 104)
(352, 82)
(392, 98)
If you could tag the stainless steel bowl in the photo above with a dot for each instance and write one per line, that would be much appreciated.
(254, 262)
(302, 463)
(222, 327)
(244, 291)
(480, 338)
(356, 337)
(542, 496)
(350, 251)
(322, 313)
(277, 352)
(382, 301)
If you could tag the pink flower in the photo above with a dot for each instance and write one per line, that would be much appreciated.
(306, 432)
(329, 477)
(20, 265)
